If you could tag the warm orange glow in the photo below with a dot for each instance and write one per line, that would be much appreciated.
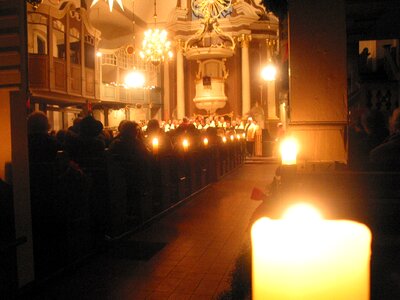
(303, 254)
(205, 142)
(155, 146)
(224, 139)
(134, 79)
(268, 73)
(232, 137)
(302, 211)
(238, 136)
(185, 145)
(289, 149)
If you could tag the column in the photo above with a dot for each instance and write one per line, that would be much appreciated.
(21, 186)
(166, 92)
(318, 79)
(246, 104)
(180, 82)
(271, 92)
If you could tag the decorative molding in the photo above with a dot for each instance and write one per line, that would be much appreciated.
(244, 40)
(245, 9)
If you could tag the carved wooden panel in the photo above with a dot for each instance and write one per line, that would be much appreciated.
(76, 79)
(38, 71)
(89, 82)
(13, 64)
(59, 74)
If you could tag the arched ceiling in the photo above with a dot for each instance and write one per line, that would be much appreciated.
(117, 26)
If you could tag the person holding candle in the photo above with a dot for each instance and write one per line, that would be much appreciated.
(154, 132)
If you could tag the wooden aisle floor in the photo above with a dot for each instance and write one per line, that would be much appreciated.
(187, 254)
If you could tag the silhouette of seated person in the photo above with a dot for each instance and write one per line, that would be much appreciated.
(212, 135)
(84, 143)
(42, 147)
(129, 144)
(371, 133)
(164, 141)
(128, 150)
(186, 130)
(386, 156)
(363, 60)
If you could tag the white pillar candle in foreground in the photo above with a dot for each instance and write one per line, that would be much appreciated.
(312, 259)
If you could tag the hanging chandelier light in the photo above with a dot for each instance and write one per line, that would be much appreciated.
(110, 4)
(155, 46)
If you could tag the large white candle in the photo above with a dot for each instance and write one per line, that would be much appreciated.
(310, 260)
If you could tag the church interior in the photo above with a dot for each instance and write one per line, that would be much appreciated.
(311, 70)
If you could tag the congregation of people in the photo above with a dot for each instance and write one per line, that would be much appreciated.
(374, 141)
(90, 184)
(87, 137)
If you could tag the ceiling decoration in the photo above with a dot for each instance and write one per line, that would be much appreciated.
(35, 3)
(210, 41)
(110, 4)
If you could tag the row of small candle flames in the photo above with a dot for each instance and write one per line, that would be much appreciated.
(303, 256)
(185, 142)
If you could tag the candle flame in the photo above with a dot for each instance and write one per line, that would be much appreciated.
(302, 212)
(289, 149)
(185, 143)
(155, 142)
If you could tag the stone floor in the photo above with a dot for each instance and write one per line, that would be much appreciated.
(193, 248)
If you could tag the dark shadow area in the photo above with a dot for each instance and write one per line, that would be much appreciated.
(134, 250)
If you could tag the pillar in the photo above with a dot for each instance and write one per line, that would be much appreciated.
(166, 114)
(271, 87)
(180, 82)
(246, 103)
(318, 79)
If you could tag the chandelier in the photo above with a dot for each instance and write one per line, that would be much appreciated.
(155, 46)
(110, 4)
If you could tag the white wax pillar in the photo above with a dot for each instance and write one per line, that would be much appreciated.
(318, 260)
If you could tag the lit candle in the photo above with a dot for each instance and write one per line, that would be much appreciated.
(238, 136)
(310, 258)
(185, 145)
(155, 146)
(289, 151)
(224, 139)
(232, 137)
(205, 142)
